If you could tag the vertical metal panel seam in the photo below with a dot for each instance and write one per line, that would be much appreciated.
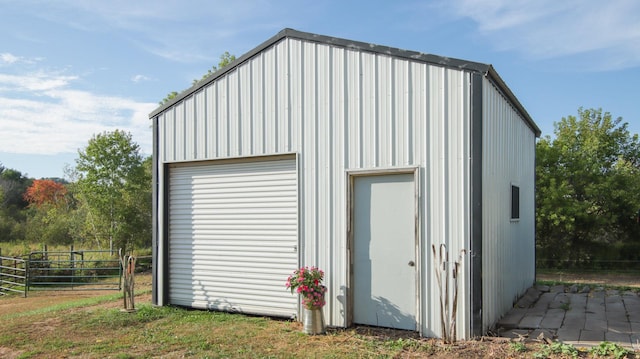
(299, 215)
(376, 111)
(276, 114)
(410, 134)
(347, 104)
(226, 117)
(205, 122)
(330, 167)
(195, 127)
(263, 102)
(250, 112)
(360, 132)
(239, 115)
(290, 128)
(183, 136)
(393, 118)
(446, 156)
(317, 165)
(174, 133)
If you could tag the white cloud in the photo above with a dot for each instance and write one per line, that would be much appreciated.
(8, 58)
(608, 32)
(140, 78)
(11, 59)
(33, 82)
(51, 117)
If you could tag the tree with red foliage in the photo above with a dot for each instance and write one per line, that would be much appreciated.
(45, 191)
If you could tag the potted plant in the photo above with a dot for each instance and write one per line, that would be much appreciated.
(307, 281)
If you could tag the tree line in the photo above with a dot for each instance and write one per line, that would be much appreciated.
(588, 194)
(105, 203)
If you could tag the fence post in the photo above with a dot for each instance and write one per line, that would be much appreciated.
(72, 265)
(15, 267)
(27, 275)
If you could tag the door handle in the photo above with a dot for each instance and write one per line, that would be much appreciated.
(412, 263)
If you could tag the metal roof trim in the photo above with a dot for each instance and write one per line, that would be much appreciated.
(493, 75)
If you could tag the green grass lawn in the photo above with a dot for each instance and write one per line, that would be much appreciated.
(95, 328)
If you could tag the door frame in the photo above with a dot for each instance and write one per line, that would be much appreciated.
(351, 177)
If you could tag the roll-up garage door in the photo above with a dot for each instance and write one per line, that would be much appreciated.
(233, 236)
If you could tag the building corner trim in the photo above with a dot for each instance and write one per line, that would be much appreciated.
(476, 203)
(154, 210)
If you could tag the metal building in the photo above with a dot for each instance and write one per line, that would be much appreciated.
(356, 158)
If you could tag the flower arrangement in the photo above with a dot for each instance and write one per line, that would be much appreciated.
(307, 281)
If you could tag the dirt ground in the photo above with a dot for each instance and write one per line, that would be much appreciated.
(593, 278)
(16, 303)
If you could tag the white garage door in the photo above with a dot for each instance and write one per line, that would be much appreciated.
(233, 236)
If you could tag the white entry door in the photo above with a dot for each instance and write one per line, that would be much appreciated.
(384, 259)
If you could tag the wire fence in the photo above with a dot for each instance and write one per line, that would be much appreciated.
(630, 266)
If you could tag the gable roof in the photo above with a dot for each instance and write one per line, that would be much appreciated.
(448, 62)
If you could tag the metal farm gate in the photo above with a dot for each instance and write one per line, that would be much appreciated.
(13, 275)
(74, 269)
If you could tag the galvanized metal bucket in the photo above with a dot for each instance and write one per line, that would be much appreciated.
(313, 321)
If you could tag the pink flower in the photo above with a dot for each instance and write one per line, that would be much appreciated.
(307, 282)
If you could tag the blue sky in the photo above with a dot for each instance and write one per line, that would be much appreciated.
(73, 68)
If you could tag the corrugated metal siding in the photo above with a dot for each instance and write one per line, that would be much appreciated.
(233, 236)
(508, 264)
(342, 109)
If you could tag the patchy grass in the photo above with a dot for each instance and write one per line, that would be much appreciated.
(100, 332)
(613, 286)
(96, 330)
(621, 280)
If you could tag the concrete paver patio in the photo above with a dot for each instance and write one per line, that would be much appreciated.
(583, 317)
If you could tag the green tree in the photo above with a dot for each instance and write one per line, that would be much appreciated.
(12, 204)
(225, 59)
(170, 96)
(588, 190)
(13, 184)
(50, 213)
(50, 225)
(112, 185)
